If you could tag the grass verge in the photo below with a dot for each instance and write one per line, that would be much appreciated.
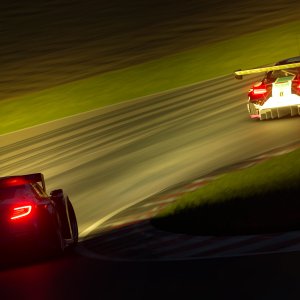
(158, 75)
(261, 199)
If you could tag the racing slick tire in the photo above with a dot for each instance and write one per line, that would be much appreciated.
(59, 245)
(73, 225)
(69, 226)
(252, 109)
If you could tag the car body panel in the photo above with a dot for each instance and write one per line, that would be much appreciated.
(278, 93)
(30, 220)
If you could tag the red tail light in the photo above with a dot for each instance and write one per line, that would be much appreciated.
(20, 212)
(259, 91)
(14, 181)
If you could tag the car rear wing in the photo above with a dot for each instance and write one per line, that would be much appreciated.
(239, 73)
(23, 179)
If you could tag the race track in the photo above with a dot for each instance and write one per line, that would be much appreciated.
(112, 157)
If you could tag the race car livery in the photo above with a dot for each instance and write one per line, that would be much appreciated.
(277, 95)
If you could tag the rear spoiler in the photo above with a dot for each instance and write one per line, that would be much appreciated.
(23, 179)
(239, 73)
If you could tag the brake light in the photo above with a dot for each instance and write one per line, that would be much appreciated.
(13, 181)
(259, 91)
(20, 212)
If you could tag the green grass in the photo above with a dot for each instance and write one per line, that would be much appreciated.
(251, 50)
(262, 198)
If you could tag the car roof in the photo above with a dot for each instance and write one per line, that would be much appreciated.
(294, 59)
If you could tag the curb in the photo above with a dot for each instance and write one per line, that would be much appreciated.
(130, 236)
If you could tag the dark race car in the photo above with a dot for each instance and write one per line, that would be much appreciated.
(33, 222)
(278, 93)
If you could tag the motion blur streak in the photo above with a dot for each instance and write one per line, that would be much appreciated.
(114, 156)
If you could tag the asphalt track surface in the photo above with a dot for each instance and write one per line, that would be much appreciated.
(116, 157)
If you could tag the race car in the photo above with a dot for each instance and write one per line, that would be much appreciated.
(277, 95)
(33, 222)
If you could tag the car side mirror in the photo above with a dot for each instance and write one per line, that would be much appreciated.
(56, 193)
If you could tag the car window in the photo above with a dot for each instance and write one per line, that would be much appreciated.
(15, 192)
(273, 75)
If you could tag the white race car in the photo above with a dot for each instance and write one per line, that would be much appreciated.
(278, 93)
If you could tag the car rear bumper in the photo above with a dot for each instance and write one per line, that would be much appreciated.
(27, 239)
(279, 112)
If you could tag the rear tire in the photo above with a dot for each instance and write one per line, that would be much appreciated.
(59, 245)
(73, 224)
(252, 109)
(69, 227)
(53, 244)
